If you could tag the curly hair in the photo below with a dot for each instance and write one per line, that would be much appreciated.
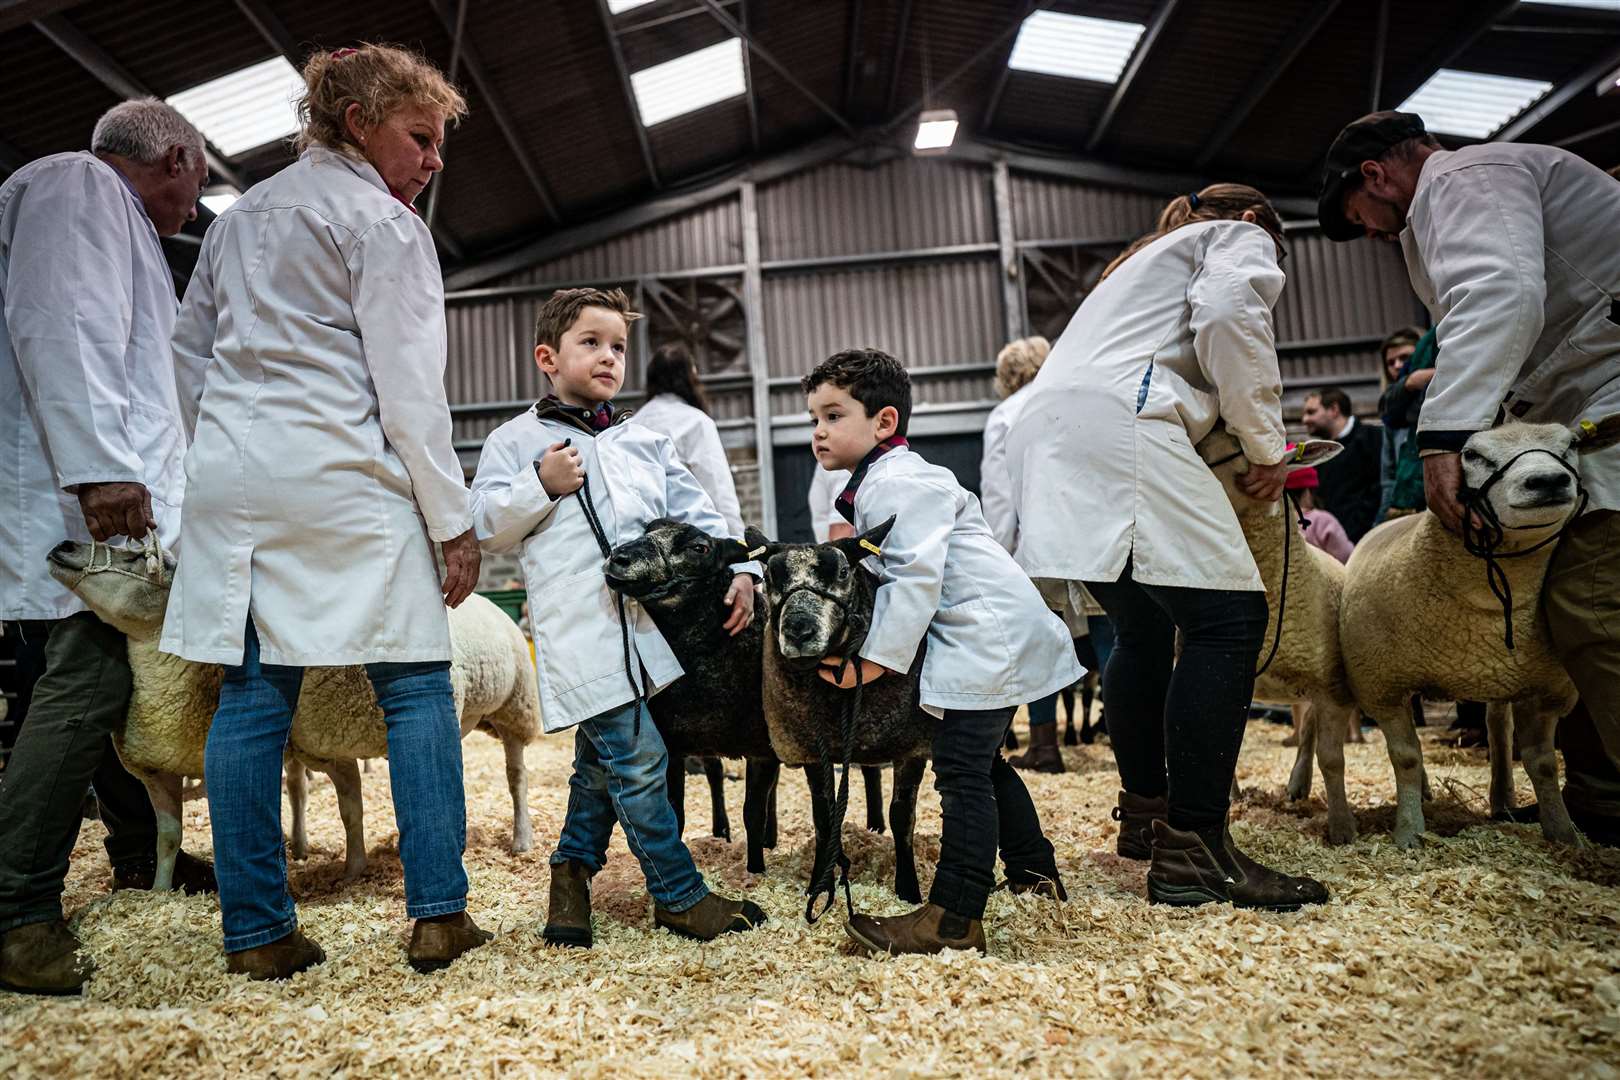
(1017, 363)
(378, 78)
(870, 376)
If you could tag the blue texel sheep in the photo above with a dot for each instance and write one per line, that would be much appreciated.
(680, 575)
(820, 605)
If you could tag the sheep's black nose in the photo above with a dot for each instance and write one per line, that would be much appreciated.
(63, 548)
(798, 629)
(1549, 483)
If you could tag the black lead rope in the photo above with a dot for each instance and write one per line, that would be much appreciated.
(1282, 599)
(589, 506)
(831, 857)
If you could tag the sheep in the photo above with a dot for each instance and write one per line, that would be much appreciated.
(1419, 619)
(818, 600)
(337, 721)
(1308, 664)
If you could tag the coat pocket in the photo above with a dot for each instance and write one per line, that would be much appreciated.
(576, 630)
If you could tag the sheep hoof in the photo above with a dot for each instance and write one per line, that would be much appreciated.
(723, 832)
(1565, 834)
(1070, 738)
(1298, 790)
(352, 871)
(521, 844)
(1340, 833)
(1407, 839)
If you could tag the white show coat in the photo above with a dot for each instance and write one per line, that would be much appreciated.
(825, 487)
(310, 351)
(995, 479)
(634, 477)
(1102, 457)
(87, 390)
(1515, 250)
(697, 444)
(992, 643)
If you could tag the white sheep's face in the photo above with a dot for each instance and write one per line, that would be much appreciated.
(1224, 455)
(117, 584)
(810, 589)
(1536, 492)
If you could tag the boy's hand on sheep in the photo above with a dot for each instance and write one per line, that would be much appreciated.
(740, 599)
(560, 470)
(117, 509)
(870, 672)
(461, 561)
(1264, 482)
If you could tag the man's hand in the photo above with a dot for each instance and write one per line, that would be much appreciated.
(1419, 379)
(560, 470)
(870, 672)
(740, 599)
(1263, 482)
(1442, 479)
(461, 559)
(117, 509)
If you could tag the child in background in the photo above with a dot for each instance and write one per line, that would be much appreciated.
(1323, 530)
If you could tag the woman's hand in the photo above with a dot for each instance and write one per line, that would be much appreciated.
(740, 599)
(870, 672)
(560, 470)
(1263, 482)
(461, 560)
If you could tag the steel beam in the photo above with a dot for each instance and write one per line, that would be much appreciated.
(1583, 83)
(899, 57)
(1590, 133)
(1276, 63)
(1380, 47)
(1444, 53)
(1012, 293)
(930, 92)
(852, 54)
(1127, 80)
(748, 81)
(436, 191)
(776, 65)
(758, 363)
(629, 93)
(15, 13)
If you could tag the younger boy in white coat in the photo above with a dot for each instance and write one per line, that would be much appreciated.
(565, 483)
(992, 645)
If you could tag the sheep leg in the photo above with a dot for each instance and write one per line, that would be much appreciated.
(873, 776)
(908, 777)
(675, 781)
(1420, 719)
(1305, 723)
(1329, 738)
(517, 782)
(345, 774)
(298, 797)
(759, 789)
(1070, 738)
(1540, 762)
(820, 812)
(1499, 729)
(770, 810)
(1406, 756)
(166, 790)
(715, 771)
(1011, 739)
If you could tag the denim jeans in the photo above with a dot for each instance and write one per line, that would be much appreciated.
(243, 766)
(984, 805)
(619, 775)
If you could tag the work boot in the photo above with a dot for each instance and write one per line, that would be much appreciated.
(1043, 754)
(281, 959)
(192, 876)
(42, 958)
(1187, 872)
(929, 929)
(436, 942)
(710, 917)
(568, 914)
(1136, 816)
(1047, 884)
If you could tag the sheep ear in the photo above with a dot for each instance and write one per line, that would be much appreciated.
(1601, 434)
(756, 545)
(856, 548)
(731, 552)
(1313, 452)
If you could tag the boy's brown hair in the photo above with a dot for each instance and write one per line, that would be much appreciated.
(562, 308)
(870, 376)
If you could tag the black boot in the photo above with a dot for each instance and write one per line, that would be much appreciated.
(1136, 816)
(1043, 754)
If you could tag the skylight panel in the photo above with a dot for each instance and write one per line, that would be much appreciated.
(1075, 46)
(1600, 5)
(1471, 104)
(687, 83)
(246, 108)
(619, 7)
(219, 201)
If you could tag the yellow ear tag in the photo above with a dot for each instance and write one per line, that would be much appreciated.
(1587, 427)
(873, 548)
(757, 552)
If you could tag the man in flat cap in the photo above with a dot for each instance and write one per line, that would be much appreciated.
(1515, 250)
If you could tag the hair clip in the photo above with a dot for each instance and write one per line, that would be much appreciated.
(341, 54)
(869, 546)
(1193, 200)
(757, 552)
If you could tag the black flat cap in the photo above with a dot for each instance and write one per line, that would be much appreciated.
(1367, 139)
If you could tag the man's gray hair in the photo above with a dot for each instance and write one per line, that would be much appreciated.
(143, 130)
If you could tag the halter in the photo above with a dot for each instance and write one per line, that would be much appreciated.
(151, 546)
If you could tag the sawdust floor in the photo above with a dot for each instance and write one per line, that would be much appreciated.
(1485, 953)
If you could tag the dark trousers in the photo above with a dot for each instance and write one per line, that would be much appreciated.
(984, 805)
(1176, 726)
(64, 746)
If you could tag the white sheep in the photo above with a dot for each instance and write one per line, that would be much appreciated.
(1419, 619)
(337, 721)
(1307, 664)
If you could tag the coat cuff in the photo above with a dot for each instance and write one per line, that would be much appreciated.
(754, 568)
(448, 529)
(879, 652)
(1444, 440)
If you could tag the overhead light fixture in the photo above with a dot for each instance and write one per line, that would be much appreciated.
(619, 7)
(1472, 104)
(688, 83)
(245, 109)
(936, 131)
(219, 201)
(1609, 83)
(1075, 46)
(1600, 5)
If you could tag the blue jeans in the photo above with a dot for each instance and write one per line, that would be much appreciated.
(620, 776)
(243, 767)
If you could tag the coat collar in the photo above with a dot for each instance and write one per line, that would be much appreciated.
(321, 155)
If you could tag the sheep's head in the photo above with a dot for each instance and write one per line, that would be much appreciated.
(1223, 454)
(818, 602)
(124, 587)
(1528, 475)
(669, 558)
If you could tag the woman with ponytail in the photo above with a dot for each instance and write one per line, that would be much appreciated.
(1176, 336)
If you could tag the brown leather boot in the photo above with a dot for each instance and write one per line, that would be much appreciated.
(1043, 754)
(281, 959)
(43, 958)
(568, 914)
(192, 875)
(710, 917)
(1136, 816)
(436, 942)
(1186, 872)
(929, 929)
(1047, 885)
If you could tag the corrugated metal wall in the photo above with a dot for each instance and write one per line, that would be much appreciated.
(1045, 208)
(901, 205)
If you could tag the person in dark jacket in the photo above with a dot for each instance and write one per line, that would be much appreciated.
(1351, 483)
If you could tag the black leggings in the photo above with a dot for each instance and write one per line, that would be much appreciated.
(1176, 727)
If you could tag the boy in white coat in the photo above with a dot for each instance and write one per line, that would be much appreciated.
(565, 483)
(992, 645)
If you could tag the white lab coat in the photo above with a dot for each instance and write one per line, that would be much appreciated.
(992, 643)
(310, 351)
(87, 390)
(635, 477)
(825, 487)
(1515, 250)
(995, 479)
(1102, 457)
(697, 444)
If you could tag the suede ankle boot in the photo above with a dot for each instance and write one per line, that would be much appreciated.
(42, 958)
(710, 917)
(1043, 754)
(929, 929)
(437, 942)
(568, 914)
(1189, 869)
(1136, 816)
(280, 959)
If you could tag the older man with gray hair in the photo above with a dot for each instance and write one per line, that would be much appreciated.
(90, 421)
